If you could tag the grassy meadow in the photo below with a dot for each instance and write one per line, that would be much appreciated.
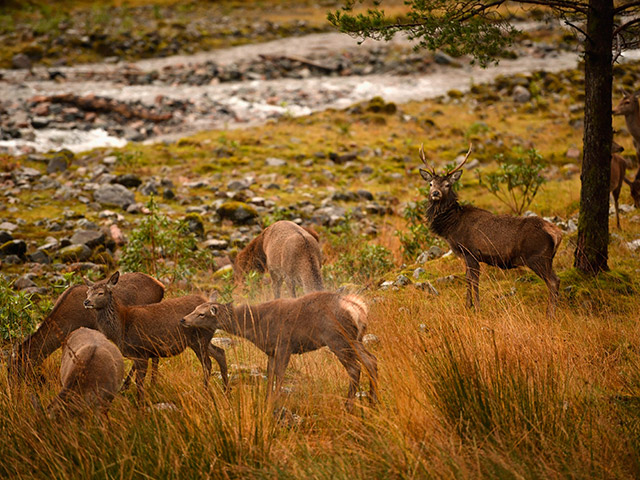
(499, 393)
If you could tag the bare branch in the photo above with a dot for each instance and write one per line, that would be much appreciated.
(624, 26)
(625, 7)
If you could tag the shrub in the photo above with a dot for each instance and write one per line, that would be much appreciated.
(517, 180)
(418, 237)
(368, 263)
(161, 247)
(19, 313)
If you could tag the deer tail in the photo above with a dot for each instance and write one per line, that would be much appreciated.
(555, 233)
(356, 307)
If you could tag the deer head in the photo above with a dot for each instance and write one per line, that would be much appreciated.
(440, 185)
(98, 295)
(628, 105)
(204, 316)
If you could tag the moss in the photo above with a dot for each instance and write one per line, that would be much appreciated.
(455, 94)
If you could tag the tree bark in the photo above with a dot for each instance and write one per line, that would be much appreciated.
(593, 225)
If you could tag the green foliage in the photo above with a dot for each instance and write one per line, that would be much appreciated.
(18, 313)
(161, 247)
(517, 180)
(458, 28)
(364, 265)
(418, 236)
(278, 213)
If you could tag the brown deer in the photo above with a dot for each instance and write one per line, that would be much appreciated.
(91, 373)
(629, 107)
(477, 235)
(619, 167)
(289, 326)
(288, 252)
(69, 314)
(146, 331)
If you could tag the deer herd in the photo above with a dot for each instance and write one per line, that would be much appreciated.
(125, 316)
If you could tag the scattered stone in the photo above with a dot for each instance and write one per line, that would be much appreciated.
(39, 256)
(90, 238)
(427, 286)
(433, 252)
(74, 253)
(275, 162)
(223, 342)
(20, 60)
(114, 194)
(59, 163)
(521, 94)
(237, 212)
(401, 281)
(13, 247)
(7, 227)
(370, 340)
(215, 244)
(129, 180)
(634, 245)
(23, 282)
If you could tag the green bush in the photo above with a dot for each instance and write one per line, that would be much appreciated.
(418, 237)
(517, 180)
(364, 265)
(18, 313)
(161, 247)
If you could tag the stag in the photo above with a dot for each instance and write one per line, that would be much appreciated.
(477, 235)
(629, 107)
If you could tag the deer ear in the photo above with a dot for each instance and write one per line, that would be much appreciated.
(213, 309)
(113, 280)
(426, 175)
(456, 176)
(86, 281)
(213, 296)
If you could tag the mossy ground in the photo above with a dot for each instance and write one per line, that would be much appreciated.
(550, 398)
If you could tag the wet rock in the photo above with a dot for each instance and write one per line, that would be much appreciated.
(237, 212)
(74, 253)
(90, 238)
(128, 180)
(13, 247)
(114, 194)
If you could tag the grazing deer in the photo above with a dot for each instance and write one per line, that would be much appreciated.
(289, 326)
(619, 166)
(477, 235)
(91, 372)
(68, 314)
(146, 331)
(288, 252)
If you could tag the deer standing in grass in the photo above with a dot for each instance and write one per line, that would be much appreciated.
(629, 107)
(288, 252)
(147, 331)
(91, 372)
(69, 314)
(289, 326)
(477, 235)
(619, 167)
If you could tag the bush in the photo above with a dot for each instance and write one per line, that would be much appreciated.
(517, 180)
(368, 263)
(161, 247)
(419, 237)
(19, 313)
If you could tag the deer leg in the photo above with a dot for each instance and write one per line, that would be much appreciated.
(291, 283)
(544, 269)
(370, 363)
(154, 370)
(220, 357)
(616, 195)
(276, 283)
(473, 279)
(349, 361)
(140, 365)
(271, 363)
(280, 365)
(127, 381)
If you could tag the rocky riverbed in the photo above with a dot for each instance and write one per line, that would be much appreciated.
(109, 104)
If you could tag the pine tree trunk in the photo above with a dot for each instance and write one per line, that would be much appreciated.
(593, 224)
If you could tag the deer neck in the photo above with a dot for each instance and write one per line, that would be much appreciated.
(110, 323)
(443, 215)
(242, 321)
(632, 119)
(41, 343)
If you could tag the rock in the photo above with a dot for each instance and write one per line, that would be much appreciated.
(365, 194)
(128, 180)
(13, 247)
(74, 253)
(58, 163)
(442, 58)
(12, 260)
(237, 185)
(216, 244)
(110, 160)
(418, 272)
(401, 281)
(223, 342)
(427, 287)
(85, 224)
(20, 60)
(195, 224)
(39, 256)
(22, 282)
(370, 340)
(573, 153)
(116, 235)
(8, 227)
(149, 188)
(90, 238)
(5, 237)
(114, 194)
(521, 94)
(237, 212)
(634, 245)
(433, 252)
(275, 162)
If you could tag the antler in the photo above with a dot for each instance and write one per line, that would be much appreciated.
(432, 171)
(463, 161)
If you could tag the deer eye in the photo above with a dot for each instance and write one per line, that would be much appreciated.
(431, 183)
(447, 184)
(100, 294)
(201, 315)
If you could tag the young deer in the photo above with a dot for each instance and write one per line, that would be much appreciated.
(91, 373)
(146, 331)
(289, 326)
(68, 314)
(477, 235)
(619, 166)
(288, 252)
